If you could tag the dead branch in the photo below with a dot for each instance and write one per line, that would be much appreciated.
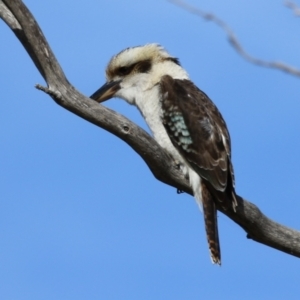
(293, 6)
(234, 42)
(257, 226)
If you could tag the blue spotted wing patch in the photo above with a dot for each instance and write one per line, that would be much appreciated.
(176, 127)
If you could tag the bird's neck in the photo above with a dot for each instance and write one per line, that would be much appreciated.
(148, 97)
(148, 103)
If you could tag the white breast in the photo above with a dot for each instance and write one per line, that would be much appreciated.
(150, 107)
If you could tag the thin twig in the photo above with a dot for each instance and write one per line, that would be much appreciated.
(293, 6)
(234, 41)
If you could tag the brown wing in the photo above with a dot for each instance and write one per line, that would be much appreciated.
(198, 131)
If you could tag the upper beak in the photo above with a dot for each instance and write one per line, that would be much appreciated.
(107, 91)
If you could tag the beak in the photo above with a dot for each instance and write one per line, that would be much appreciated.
(107, 91)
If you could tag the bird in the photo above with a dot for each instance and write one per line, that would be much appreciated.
(184, 122)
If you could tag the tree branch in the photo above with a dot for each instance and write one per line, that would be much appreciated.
(234, 42)
(248, 216)
(293, 6)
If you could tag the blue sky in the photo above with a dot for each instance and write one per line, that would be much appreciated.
(81, 216)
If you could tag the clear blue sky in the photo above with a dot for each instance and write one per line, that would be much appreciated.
(82, 217)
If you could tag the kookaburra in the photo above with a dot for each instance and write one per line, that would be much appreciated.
(183, 120)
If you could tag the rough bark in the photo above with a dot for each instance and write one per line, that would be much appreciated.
(257, 226)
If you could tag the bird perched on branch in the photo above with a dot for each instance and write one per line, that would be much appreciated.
(183, 120)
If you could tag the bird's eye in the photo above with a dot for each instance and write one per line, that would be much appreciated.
(124, 71)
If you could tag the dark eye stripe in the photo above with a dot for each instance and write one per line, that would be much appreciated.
(122, 71)
(144, 66)
(140, 67)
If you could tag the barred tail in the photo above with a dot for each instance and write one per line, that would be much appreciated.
(211, 225)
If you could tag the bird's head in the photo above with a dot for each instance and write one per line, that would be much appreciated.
(135, 70)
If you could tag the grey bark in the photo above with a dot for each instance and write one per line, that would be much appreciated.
(257, 226)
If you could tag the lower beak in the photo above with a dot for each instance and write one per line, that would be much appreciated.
(107, 91)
